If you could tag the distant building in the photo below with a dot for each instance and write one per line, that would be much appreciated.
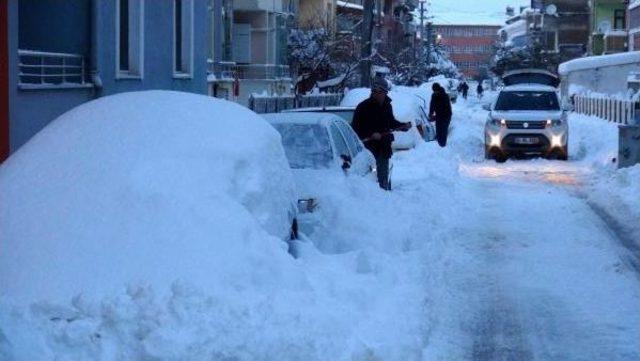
(470, 47)
(608, 26)
(64, 53)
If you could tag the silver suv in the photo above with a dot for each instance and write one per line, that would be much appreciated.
(527, 119)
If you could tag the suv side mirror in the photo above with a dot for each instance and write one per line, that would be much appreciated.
(486, 106)
(346, 162)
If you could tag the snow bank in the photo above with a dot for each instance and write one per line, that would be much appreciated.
(599, 61)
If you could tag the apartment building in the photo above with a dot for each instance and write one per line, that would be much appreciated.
(254, 49)
(608, 26)
(470, 47)
(4, 82)
(633, 25)
(64, 53)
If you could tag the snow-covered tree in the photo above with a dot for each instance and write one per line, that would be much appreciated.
(532, 55)
(415, 66)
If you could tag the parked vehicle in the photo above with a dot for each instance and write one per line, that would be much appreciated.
(526, 119)
(316, 143)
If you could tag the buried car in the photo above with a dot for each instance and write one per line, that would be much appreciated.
(144, 187)
(316, 143)
(527, 118)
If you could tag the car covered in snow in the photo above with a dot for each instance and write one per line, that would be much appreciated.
(317, 143)
(527, 118)
(144, 187)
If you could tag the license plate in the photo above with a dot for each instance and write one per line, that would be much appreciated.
(527, 140)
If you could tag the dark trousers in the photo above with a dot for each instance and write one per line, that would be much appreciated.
(442, 131)
(382, 165)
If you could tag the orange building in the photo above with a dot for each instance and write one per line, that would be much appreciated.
(470, 47)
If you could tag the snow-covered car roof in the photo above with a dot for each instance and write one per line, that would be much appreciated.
(320, 109)
(529, 87)
(300, 117)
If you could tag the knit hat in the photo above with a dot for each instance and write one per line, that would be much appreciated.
(380, 84)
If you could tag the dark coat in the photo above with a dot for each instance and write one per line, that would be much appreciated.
(441, 106)
(372, 117)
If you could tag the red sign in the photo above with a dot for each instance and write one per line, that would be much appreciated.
(4, 82)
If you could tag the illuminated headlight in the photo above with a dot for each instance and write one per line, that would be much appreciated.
(495, 140)
(498, 122)
(307, 205)
(554, 122)
(556, 141)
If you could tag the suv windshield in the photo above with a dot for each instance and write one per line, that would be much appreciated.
(527, 100)
(306, 145)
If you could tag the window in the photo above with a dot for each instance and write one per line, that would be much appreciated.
(619, 19)
(182, 38)
(338, 141)
(527, 100)
(129, 38)
(350, 137)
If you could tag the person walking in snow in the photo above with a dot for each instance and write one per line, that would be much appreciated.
(464, 88)
(480, 90)
(374, 123)
(440, 112)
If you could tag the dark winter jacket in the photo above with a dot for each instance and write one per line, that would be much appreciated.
(371, 117)
(441, 106)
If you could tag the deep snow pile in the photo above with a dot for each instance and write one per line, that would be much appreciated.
(136, 232)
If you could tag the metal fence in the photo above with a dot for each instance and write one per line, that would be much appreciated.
(621, 111)
(45, 69)
(231, 70)
(261, 104)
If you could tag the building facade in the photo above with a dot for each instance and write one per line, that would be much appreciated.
(64, 53)
(633, 25)
(470, 47)
(608, 27)
(4, 82)
(254, 49)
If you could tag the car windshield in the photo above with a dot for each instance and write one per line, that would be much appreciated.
(347, 115)
(306, 145)
(527, 100)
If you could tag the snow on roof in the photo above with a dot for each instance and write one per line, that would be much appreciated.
(593, 62)
(331, 82)
(328, 109)
(148, 187)
(299, 117)
(515, 29)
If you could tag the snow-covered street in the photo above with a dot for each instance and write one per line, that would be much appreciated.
(529, 270)
(466, 259)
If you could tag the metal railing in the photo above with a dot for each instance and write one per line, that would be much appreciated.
(40, 69)
(231, 70)
(274, 104)
(622, 111)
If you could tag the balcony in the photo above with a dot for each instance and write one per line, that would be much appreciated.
(47, 70)
(228, 71)
(615, 41)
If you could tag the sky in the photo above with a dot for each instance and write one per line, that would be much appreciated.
(469, 12)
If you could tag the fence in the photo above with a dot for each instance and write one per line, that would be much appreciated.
(45, 69)
(276, 104)
(621, 111)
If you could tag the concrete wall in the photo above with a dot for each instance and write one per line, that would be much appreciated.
(606, 80)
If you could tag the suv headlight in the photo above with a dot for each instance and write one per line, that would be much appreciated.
(498, 122)
(554, 122)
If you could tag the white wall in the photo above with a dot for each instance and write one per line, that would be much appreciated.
(607, 80)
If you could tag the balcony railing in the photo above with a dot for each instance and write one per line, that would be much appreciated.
(39, 69)
(231, 70)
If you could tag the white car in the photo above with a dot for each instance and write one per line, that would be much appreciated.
(316, 143)
(527, 118)
(345, 112)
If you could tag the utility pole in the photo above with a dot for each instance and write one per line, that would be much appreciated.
(365, 50)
